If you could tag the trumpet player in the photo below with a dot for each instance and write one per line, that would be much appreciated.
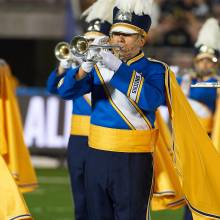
(98, 20)
(203, 100)
(126, 90)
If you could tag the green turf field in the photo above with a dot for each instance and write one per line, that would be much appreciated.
(52, 200)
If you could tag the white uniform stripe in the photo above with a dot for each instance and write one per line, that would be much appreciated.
(122, 103)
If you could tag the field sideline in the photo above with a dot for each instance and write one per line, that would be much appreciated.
(52, 200)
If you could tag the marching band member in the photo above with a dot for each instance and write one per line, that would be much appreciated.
(99, 21)
(125, 95)
(127, 88)
(203, 100)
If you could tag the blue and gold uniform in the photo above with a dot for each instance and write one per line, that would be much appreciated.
(80, 112)
(80, 122)
(122, 135)
(77, 145)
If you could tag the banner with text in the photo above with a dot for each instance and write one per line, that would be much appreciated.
(46, 118)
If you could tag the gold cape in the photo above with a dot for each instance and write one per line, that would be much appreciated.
(12, 146)
(12, 204)
(167, 191)
(216, 125)
(195, 158)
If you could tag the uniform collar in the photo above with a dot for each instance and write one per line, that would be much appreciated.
(136, 58)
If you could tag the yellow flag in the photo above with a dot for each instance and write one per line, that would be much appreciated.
(196, 160)
(12, 204)
(12, 146)
(167, 191)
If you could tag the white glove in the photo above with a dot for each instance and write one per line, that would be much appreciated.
(65, 64)
(87, 66)
(110, 60)
(93, 53)
(76, 61)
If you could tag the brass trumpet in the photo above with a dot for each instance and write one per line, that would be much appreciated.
(62, 51)
(80, 47)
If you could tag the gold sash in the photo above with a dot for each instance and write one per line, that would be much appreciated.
(80, 125)
(121, 140)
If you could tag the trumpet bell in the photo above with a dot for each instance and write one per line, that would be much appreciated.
(79, 46)
(62, 51)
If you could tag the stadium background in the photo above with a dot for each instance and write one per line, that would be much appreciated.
(29, 31)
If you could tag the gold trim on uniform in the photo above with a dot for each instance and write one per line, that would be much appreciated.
(129, 62)
(135, 86)
(80, 125)
(111, 101)
(139, 90)
(141, 113)
(134, 59)
(131, 83)
(121, 140)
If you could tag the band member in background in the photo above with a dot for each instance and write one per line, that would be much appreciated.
(203, 100)
(98, 18)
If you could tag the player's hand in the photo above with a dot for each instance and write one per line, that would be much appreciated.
(87, 66)
(110, 60)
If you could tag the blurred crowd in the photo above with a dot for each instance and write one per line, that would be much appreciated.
(177, 22)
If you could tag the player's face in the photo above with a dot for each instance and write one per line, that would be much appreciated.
(205, 66)
(131, 44)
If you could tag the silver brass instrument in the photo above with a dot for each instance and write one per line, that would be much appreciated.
(80, 47)
(62, 51)
(206, 85)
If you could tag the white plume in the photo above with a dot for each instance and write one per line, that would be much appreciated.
(101, 9)
(209, 34)
(139, 7)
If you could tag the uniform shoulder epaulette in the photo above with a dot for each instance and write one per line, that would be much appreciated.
(159, 62)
